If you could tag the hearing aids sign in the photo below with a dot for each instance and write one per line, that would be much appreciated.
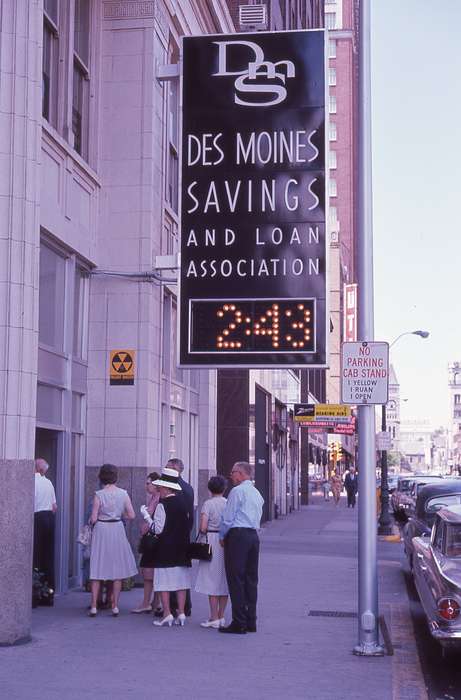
(253, 288)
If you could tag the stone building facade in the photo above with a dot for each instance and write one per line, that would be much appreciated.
(89, 146)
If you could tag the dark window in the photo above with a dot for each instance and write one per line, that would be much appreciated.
(50, 70)
(80, 91)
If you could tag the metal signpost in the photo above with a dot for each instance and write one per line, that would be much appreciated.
(364, 373)
(253, 288)
(368, 633)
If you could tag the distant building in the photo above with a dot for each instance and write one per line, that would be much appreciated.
(341, 22)
(440, 451)
(415, 444)
(454, 389)
(393, 411)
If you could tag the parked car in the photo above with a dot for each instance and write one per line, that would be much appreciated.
(437, 576)
(400, 499)
(430, 499)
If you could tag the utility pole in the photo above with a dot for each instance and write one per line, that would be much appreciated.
(368, 633)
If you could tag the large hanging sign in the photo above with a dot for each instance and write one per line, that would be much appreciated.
(253, 286)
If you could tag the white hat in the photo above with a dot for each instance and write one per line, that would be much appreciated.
(169, 478)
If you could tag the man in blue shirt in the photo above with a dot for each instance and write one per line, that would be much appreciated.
(239, 537)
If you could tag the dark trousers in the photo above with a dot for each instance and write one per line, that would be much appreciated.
(241, 558)
(351, 498)
(44, 524)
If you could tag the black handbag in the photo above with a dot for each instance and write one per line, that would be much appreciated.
(148, 544)
(200, 550)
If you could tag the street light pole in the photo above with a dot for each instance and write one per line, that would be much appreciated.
(385, 523)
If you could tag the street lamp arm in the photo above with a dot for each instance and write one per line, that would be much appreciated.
(422, 334)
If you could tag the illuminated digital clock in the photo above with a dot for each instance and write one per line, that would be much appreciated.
(248, 326)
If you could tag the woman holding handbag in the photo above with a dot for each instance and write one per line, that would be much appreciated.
(211, 578)
(170, 524)
(146, 563)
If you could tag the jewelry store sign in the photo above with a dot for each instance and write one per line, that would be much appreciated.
(365, 373)
(253, 289)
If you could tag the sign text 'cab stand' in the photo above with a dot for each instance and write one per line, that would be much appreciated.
(365, 373)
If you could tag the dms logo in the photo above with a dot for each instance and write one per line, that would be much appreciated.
(257, 77)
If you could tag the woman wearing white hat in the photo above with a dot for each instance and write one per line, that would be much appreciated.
(172, 563)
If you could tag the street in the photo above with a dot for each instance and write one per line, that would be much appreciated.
(303, 648)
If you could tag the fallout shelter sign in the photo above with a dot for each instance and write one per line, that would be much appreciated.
(253, 288)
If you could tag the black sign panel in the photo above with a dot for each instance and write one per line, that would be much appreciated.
(253, 250)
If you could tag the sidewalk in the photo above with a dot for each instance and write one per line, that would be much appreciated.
(308, 565)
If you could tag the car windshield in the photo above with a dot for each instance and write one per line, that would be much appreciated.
(453, 546)
(404, 485)
(445, 501)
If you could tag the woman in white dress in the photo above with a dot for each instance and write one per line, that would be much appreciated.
(171, 560)
(111, 557)
(211, 578)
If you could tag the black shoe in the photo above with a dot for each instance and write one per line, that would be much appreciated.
(233, 628)
(158, 612)
(251, 628)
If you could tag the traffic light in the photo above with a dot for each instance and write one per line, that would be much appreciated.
(334, 451)
(339, 450)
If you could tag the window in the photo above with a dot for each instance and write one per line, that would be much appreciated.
(80, 91)
(333, 216)
(176, 372)
(435, 504)
(332, 48)
(51, 298)
(330, 20)
(332, 159)
(332, 104)
(80, 313)
(457, 398)
(437, 538)
(453, 544)
(49, 404)
(333, 132)
(332, 76)
(333, 188)
(50, 62)
(166, 334)
(172, 146)
(77, 412)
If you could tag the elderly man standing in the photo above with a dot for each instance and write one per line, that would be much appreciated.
(44, 522)
(238, 534)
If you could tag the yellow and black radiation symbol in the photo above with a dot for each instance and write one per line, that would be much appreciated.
(122, 367)
(122, 362)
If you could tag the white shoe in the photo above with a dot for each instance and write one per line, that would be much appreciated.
(216, 624)
(138, 611)
(222, 622)
(168, 620)
(115, 612)
(180, 620)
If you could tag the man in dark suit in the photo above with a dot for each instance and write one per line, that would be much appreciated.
(351, 486)
(187, 494)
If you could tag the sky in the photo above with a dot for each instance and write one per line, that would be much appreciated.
(416, 96)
